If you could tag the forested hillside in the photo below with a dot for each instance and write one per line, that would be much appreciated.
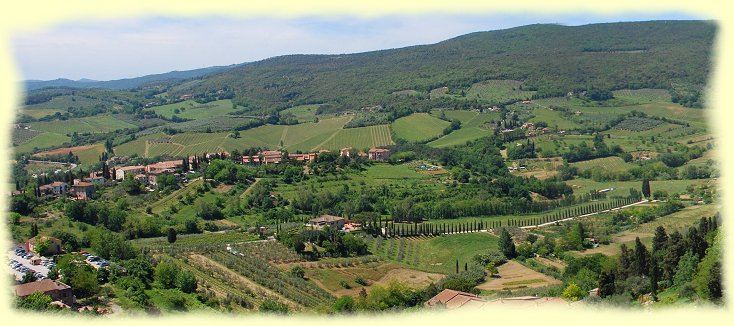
(552, 59)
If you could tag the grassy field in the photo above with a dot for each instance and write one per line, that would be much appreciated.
(460, 137)
(360, 138)
(498, 91)
(43, 140)
(621, 188)
(679, 221)
(40, 113)
(304, 113)
(553, 119)
(95, 124)
(439, 254)
(643, 95)
(193, 110)
(305, 137)
(612, 163)
(418, 127)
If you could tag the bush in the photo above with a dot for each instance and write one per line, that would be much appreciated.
(345, 285)
(360, 280)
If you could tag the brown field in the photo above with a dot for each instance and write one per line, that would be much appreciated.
(513, 276)
(64, 150)
(538, 174)
(551, 263)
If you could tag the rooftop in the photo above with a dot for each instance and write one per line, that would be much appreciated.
(42, 286)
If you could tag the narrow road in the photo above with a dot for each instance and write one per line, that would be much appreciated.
(584, 215)
(249, 189)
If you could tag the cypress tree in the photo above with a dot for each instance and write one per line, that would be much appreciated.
(646, 188)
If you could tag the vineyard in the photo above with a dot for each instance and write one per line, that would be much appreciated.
(189, 242)
(95, 124)
(360, 138)
(637, 124)
(460, 137)
(21, 136)
(418, 127)
(271, 251)
(261, 272)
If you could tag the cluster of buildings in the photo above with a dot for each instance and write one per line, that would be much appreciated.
(148, 174)
(334, 222)
(532, 130)
(276, 157)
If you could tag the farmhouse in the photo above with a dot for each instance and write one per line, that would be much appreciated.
(54, 245)
(95, 178)
(452, 299)
(164, 166)
(122, 171)
(335, 222)
(56, 290)
(83, 190)
(345, 151)
(378, 154)
(308, 157)
(153, 176)
(55, 188)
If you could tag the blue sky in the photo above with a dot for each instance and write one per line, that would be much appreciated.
(105, 50)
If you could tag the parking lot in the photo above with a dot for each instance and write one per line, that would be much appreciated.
(18, 264)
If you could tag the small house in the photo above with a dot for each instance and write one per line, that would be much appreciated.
(83, 190)
(378, 154)
(121, 172)
(55, 188)
(335, 222)
(54, 245)
(56, 290)
(452, 299)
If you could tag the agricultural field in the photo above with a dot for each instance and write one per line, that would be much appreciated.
(213, 124)
(61, 103)
(498, 91)
(637, 124)
(418, 127)
(621, 188)
(359, 138)
(44, 140)
(192, 110)
(37, 168)
(513, 275)
(612, 164)
(679, 221)
(94, 124)
(460, 137)
(188, 241)
(554, 119)
(643, 95)
(21, 136)
(304, 113)
(434, 254)
(40, 113)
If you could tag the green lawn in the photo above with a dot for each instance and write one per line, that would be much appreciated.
(621, 188)
(553, 119)
(418, 127)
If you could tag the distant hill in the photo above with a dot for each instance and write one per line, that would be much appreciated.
(126, 83)
(552, 59)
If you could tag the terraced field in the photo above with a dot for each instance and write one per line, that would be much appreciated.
(43, 140)
(418, 127)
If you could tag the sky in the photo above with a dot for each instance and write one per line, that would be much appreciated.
(107, 50)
